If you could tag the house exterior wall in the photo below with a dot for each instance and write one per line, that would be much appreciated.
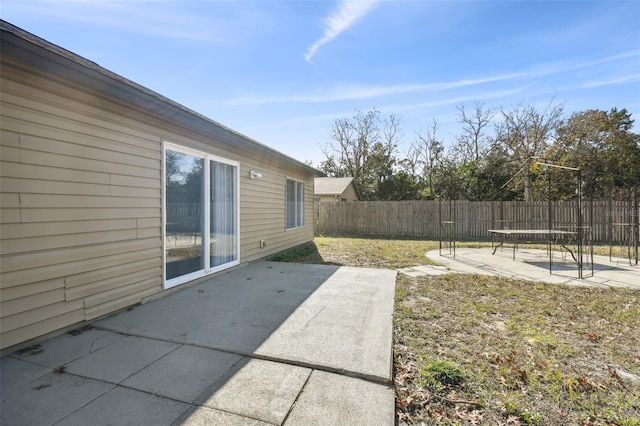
(81, 202)
(349, 194)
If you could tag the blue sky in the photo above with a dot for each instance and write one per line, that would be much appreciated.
(282, 72)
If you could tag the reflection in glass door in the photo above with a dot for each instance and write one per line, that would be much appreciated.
(184, 195)
(223, 214)
(199, 186)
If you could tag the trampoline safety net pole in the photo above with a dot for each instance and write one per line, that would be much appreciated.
(579, 218)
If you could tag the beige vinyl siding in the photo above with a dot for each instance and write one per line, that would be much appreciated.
(81, 210)
(81, 207)
(36, 329)
(263, 212)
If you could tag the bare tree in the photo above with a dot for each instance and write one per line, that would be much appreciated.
(381, 159)
(352, 139)
(411, 163)
(429, 151)
(392, 130)
(526, 133)
(362, 147)
(472, 143)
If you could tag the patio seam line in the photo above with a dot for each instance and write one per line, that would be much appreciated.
(189, 407)
(118, 385)
(132, 374)
(295, 401)
(151, 363)
(234, 414)
(348, 373)
(15, 356)
(121, 385)
(115, 386)
(34, 363)
(89, 402)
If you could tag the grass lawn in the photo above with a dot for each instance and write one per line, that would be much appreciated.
(472, 349)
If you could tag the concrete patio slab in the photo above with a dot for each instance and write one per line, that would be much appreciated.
(236, 312)
(421, 270)
(183, 374)
(259, 345)
(331, 399)
(204, 416)
(268, 399)
(343, 326)
(533, 265)
(69, 347)
(118, 361)
(319, 316)
(122, 406)
(48, 399)
(14, 373)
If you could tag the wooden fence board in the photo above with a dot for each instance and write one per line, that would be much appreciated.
(471, 219)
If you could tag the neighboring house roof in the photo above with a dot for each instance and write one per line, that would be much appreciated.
(26, 47)
(333, 186)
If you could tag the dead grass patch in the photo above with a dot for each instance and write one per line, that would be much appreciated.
(362, 252)
(528, 353)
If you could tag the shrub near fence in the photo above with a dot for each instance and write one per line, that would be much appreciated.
(471, 219)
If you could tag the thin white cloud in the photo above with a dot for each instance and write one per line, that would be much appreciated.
(348, 13)
(360, 92)
(612, 58)
(609, 82)
(396, 107)
(484, 96)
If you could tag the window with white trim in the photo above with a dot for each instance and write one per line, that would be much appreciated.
(295, 204)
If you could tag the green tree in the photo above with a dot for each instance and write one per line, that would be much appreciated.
(601, 144)
(399, 186)
(493, 174)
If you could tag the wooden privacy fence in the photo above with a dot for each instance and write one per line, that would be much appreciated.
(471, 219)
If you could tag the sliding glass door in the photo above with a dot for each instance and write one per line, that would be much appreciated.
(223, 214)
(201, 214)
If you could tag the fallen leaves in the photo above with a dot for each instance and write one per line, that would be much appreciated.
(542, 366)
